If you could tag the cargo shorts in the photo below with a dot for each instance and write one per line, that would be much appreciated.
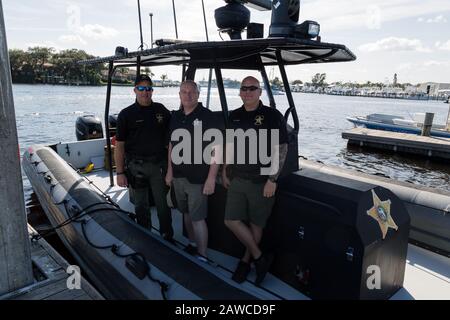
(190, 199)
(246, 202)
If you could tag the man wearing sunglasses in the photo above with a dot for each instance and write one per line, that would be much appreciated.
(141, 155)
(250, 195)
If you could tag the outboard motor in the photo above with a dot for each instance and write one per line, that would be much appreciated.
(88, 127)
(112, 121)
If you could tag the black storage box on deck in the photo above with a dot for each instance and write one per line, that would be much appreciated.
(336, 238)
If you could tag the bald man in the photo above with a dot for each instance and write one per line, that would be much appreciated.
(251, 190)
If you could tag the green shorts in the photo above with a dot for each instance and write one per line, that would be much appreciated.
(190, 199)
(246, 202)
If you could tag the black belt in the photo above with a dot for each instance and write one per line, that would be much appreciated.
(153, 159)
(254, 177)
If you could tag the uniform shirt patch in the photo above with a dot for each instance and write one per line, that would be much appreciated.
(259, 120)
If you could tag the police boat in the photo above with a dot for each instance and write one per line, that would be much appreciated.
(335, 234)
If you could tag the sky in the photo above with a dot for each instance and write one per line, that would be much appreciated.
(407, 37)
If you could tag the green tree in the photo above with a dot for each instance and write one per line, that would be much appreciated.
(319, 80)
(148, 72)
(163, 78)
(38, 59)
(65, 64)
(276, 83)
(18, 60)
(297, 82)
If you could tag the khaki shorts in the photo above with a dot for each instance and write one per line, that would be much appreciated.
(246, 202)
(190, 199)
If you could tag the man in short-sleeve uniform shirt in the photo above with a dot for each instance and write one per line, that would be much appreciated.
(251, 191)
(194, 179)
(141, 153)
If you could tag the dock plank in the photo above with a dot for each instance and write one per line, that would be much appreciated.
(69, 295)
(54, 267)
(44, 292)
(431, 147)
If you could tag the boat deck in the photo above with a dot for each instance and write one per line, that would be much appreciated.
(431, 147)
(52, 278)
(427, 274)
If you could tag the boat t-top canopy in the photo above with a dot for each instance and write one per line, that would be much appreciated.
(249, 54)
(233, 54)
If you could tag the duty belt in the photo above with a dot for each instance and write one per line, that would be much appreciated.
(257, 178)
(153, 159)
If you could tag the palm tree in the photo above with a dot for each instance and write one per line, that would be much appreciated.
(163, 78)
(148, 72)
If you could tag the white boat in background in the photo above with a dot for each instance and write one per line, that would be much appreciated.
(277, 92)
(396, 123)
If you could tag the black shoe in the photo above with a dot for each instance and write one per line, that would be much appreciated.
(191, 249)
(169, 238)
(201, 258)
(262, 265)
(241, 272)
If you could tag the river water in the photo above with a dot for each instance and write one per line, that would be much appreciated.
(46, 114)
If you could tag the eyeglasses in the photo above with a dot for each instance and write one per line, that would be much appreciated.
(144, 88)
(249, 88)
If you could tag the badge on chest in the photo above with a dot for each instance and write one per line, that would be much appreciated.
(259, 119)
(159, 118)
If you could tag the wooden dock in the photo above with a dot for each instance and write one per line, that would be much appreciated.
(49, 270)
(431, 147)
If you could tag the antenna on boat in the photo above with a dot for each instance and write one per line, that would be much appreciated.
(140, 25)
(208, 96)
(175, 19)
(151, 28)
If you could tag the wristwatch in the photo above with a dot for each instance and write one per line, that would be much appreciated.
(272, 179)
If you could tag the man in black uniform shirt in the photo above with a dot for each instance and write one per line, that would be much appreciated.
(251, 185)
(141, 153)
(192, 178)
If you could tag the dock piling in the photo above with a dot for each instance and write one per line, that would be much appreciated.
(427, 123)
(15, 256)
(447, 127)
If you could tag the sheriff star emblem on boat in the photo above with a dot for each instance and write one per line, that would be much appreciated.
(159, 117)
(381, 212)
(259, 120)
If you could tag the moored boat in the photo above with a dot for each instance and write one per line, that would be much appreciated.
(395, 123)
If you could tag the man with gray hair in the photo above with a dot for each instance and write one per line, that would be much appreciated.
(251, 186)
(192, 180)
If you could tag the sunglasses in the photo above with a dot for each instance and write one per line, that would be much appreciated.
(249, 88)
(144, 88)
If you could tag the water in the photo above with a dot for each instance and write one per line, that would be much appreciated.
(47, 114)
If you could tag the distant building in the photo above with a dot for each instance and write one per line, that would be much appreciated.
(433, 88)
(121, 74)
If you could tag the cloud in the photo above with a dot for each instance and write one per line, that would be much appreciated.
(433, 63)
(422, 66)
(443, 46)
(97, 32)
(90, 31)
(405, 66)
(71, 38)
(438, 19)
(394, 44)
(348, 14)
